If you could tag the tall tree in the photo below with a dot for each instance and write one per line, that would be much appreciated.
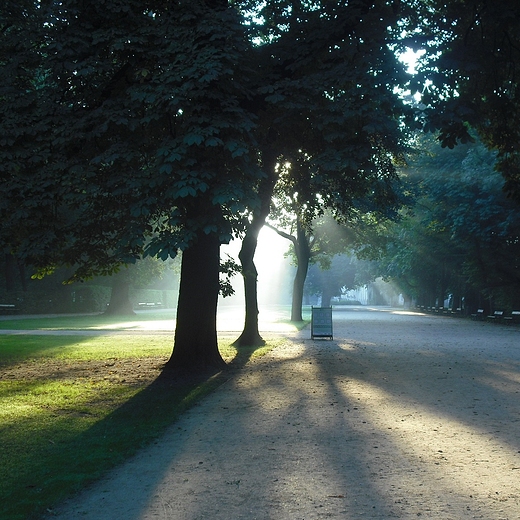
(146, 140)
(327, 107)
(471, 75)
(332, 279)
(461, 237)
(143, 127)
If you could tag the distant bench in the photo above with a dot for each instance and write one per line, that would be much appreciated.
(514, 318)
(479, 315)
(150, 305)
(8, 308)
(501, 317)
(496, 317)
(441, 310)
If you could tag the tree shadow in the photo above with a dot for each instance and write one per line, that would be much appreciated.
(19, 348)
(134, 425)
(362, 426)
(444, 397)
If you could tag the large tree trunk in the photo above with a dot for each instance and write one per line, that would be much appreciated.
(196, 347)
(120, 304)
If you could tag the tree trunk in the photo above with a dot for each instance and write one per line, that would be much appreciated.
(23, 278)
(120, 304)
(10, 273)
(302, 250)
(250, 335)
(297, 295)
(303, 255)
(326, 296)
(196, 347)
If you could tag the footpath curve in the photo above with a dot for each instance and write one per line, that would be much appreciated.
(402, 415)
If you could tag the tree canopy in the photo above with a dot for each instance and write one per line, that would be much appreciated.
(133, 128)
(469, 76)
(462, 236)
(140, 121)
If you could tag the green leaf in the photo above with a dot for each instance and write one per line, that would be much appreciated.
(191, 139)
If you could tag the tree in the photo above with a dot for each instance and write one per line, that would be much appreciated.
(250, 335)
(325, 238)
(302, 243)
(461, 237)
(331, 279)
(14, 274)
(142, 273)
(328, 109)
(470, 71)
(144, 145)
(149, 127)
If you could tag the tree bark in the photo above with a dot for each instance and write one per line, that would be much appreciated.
(297, 295)
(302, 250)
(326, 296)
(10, 273)
(120, 304)
(303, 256)
(250, 334)
(196, 347)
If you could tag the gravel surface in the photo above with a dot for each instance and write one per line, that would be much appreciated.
(402, 415)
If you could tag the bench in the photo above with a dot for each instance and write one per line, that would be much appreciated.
(496, 316)
(149, 305)
(514, 318)
(8, 308)
(479, 315)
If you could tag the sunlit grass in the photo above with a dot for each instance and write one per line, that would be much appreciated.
(275, 319)
(16, 348)
(146, 320)
(60, 431)
(52, 442)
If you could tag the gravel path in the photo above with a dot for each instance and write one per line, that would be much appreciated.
(400, 416)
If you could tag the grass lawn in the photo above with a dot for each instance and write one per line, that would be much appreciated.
(86, 322)
(149, 320)
(71, 407)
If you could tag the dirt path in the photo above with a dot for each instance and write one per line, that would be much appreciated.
(401, 416)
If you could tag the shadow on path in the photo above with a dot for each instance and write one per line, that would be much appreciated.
(400, 416)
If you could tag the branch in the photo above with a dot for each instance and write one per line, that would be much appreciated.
(283, 234)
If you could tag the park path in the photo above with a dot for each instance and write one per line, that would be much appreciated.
(400, 416)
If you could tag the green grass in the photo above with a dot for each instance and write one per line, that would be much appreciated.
(84, 322)
(103, 322)
(19, 348)
(59, 432)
